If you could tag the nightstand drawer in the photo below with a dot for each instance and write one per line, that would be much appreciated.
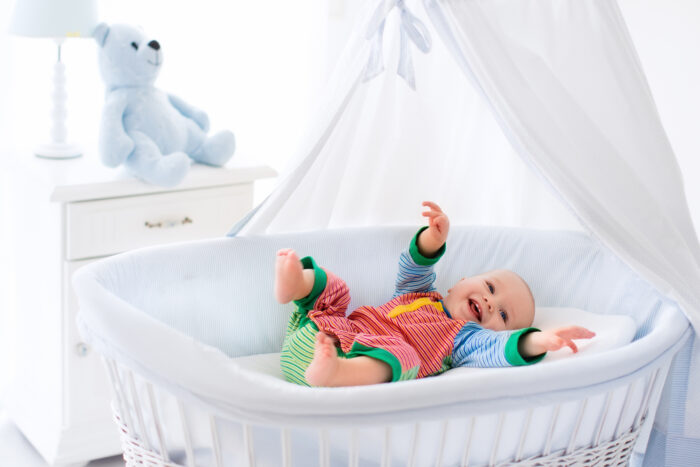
(104, 227)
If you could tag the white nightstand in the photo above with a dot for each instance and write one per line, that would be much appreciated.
(65, 215)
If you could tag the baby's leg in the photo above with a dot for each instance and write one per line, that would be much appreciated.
(321, 300)
(292, 281)
(328, 369)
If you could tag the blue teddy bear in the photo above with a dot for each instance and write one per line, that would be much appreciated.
(154, 134)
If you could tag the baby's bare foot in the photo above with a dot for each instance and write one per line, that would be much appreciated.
(324, 366)
(289, 276)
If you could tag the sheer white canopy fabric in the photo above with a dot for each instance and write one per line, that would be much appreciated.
(379, 148)
(555, 82)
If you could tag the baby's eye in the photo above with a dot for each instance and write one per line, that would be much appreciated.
(491, 289)
(504, 315)
(135, 45)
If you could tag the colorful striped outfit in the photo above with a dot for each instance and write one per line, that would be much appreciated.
(413, 333)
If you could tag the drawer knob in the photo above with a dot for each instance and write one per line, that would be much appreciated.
(167, 224)
(82, 349)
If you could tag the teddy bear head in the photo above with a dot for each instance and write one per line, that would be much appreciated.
(127, 57)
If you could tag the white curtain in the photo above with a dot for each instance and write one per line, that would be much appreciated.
(556, 82)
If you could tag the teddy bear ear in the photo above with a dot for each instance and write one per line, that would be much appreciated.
(100, 33)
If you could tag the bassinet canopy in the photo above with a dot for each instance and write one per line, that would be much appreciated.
(532, 113)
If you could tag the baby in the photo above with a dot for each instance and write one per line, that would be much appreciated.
(484, 321)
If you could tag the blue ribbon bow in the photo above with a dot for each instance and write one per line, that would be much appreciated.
(411, 28)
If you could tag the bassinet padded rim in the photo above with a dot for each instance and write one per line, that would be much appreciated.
(206, 373)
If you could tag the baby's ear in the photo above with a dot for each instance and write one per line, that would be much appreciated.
(100, 33)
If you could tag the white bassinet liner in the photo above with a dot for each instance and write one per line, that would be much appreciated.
(178, 312)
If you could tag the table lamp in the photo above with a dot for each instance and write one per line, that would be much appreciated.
(56, 19)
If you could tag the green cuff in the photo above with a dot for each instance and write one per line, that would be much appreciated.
(512, 354)
(381, 355)
(419, 258)
(320, 280)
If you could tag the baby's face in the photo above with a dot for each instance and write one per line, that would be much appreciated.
(497, 300)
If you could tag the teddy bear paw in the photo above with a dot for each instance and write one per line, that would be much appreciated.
(173, 168)
(216, 149)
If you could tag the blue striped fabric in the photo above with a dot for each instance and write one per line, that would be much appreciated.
(478, 347)
(413, 277)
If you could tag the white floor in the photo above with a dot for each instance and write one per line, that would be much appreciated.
(15, 450)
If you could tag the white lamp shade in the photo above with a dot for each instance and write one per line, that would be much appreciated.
(54, 18)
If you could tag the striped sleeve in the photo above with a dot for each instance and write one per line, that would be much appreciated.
(475, 346)
(415, 270)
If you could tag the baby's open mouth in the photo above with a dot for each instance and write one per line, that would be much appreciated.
(475, 309)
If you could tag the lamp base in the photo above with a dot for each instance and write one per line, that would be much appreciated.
(58, 151)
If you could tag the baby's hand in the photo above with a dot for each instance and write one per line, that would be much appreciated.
(432, 238)
(537, 343)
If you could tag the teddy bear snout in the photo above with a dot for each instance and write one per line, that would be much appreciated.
(154, 45)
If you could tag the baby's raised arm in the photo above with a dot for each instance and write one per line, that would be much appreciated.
(435, 236)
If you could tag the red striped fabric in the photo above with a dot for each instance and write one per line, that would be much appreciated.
(426, 332)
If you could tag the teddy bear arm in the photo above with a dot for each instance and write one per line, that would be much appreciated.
(199, 116)
(115, 143)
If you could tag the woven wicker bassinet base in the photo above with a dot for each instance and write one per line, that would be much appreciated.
(135, 454)
(614, 453)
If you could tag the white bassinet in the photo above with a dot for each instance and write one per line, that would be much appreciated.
(169, 320)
